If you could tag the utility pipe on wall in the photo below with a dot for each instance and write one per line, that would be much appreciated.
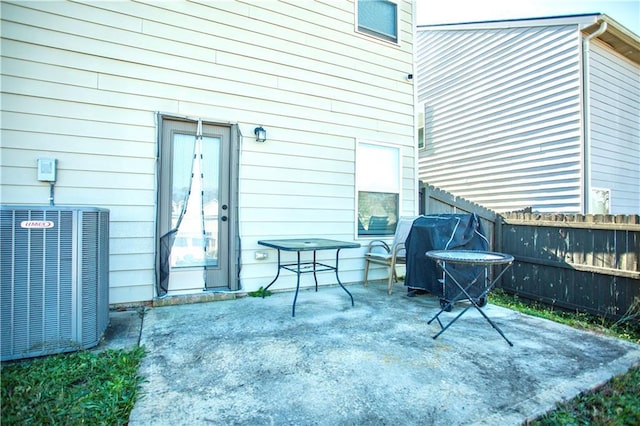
(586, 111)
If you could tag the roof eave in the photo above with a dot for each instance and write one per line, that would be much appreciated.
(621, 40)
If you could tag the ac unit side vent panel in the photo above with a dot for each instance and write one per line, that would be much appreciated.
(54, 279)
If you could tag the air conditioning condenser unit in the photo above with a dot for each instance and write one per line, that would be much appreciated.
(54, 279)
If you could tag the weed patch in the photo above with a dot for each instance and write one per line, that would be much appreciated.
(259, 293)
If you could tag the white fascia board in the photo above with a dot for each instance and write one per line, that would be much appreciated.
(582, 21)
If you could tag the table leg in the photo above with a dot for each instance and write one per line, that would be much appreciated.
(484, 294)
(447, 307)
(293, 309)
(492, 324)
(314, 270)
(473, 303)
(298, 273)
(274, 280)
(338, 278)
(449, 324)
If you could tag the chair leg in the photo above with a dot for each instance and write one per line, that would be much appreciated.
(366, 272)
(392, 276)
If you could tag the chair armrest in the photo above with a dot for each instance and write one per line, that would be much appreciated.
(397, 248)
(378, 243)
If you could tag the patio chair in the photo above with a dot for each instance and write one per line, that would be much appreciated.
(380, 253)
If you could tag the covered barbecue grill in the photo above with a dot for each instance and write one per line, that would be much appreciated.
(443, 232)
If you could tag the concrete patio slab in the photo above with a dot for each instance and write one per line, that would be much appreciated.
(249, 362)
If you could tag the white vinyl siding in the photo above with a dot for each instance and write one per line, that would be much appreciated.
(615, 128)
(505, 115)
(81, 82)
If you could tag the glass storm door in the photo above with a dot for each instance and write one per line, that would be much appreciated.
(193, 208)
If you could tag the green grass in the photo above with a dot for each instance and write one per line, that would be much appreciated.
(616, 403)
(80, 388)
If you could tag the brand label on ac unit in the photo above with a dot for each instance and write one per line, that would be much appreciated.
(36, 224)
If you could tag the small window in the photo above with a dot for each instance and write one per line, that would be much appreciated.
(425, 127)
(600, 201)
(378, 18)
(378, 189)
(421, 129)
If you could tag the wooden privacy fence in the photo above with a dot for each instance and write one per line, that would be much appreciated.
(587, 263)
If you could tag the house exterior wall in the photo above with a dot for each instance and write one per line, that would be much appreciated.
(615, 128)
(82, 82)
(503, 114)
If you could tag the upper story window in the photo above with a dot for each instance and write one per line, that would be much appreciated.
(378, 18)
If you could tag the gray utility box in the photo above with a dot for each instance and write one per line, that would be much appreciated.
(54, 279)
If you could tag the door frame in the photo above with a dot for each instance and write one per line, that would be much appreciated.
(234, 254)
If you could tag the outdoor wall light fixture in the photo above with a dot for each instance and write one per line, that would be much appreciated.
(261, 134)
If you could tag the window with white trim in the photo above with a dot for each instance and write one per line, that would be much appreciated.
(377, 189)
(425, 127)
(421, 129)
(378, 18)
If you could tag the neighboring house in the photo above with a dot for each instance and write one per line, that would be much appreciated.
(541, 113)
(122, 94)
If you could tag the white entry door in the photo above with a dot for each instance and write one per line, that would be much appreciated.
(193, 207)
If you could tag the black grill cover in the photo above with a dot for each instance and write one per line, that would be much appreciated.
(442, 232)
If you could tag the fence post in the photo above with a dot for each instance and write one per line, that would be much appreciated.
(426, 196)
(497, 236)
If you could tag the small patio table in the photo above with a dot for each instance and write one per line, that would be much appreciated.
(485, 259)
(307, 244)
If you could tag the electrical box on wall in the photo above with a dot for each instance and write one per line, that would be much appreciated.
(47, 169)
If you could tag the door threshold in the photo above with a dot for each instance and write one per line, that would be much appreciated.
(203, 297)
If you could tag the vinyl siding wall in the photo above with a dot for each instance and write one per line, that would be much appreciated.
(503, 115)
(82, 83)
(615, 128)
